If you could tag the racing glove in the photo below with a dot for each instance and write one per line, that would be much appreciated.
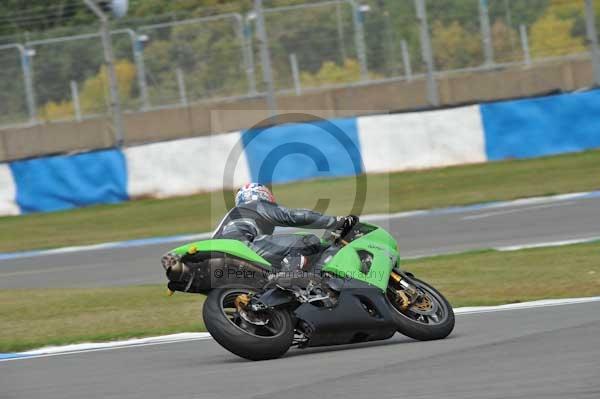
(345, 223)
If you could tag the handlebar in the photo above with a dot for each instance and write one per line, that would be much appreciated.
(339, 235)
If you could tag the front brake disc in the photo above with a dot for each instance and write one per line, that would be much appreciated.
(424, 306)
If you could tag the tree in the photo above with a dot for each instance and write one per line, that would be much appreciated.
(36, 15)
(553, 35)
(504, 39)
(17, 16)
(517, 12)
(94, 94)
(311, 35)
(454, 47)
(209, 54)
(332, 73)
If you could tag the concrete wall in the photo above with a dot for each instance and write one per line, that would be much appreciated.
(219, 117)
(53, 138)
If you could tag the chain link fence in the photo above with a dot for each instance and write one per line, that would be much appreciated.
(323, 40)
(197, 59)
(62, 76)
(70, 79)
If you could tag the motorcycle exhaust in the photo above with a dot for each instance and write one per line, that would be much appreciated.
(201, 274)
(176, 270)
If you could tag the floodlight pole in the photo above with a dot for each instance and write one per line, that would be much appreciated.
(486, 32)
(592, 33)
(265, 57)
(433, 96)
(25, 57)
(109, 59)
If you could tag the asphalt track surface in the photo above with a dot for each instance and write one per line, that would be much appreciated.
(543, 353)
(551, 352)
(418, 235)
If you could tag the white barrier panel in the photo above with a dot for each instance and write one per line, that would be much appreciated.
(421, 139)
(8, 205)
(185, 167)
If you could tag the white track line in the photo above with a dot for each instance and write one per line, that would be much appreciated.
(486, 205)
(186, 337)
(107, 245)
(548, 244)
(509, 211)
(526, 305)
(103, 346)
(369, 218)
(508, 248)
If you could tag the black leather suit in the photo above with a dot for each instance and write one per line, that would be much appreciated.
(255, 222)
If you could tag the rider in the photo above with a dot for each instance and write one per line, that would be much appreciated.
(255, 216)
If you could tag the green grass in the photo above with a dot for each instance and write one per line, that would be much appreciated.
(492, 277)
(37, 317)
(385, 193)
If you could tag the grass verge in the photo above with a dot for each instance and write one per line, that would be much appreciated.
(34, 318)
(38, 317)
(394, 192)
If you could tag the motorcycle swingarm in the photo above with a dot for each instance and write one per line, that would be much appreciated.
(275, 297)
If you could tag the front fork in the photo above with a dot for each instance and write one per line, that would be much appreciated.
(404, 291)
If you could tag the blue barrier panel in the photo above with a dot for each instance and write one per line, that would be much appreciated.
(306, 150)
(542, 126)
(68, 181)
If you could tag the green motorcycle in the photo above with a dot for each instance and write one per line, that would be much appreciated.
(355, 292)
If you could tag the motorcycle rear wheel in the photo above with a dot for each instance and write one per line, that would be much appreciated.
(240, 337)
(414, 321)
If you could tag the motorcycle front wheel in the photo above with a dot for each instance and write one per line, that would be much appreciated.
(430, 318)
(263, 336)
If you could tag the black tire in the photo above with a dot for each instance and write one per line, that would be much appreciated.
(240, 341)
(421, 330)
